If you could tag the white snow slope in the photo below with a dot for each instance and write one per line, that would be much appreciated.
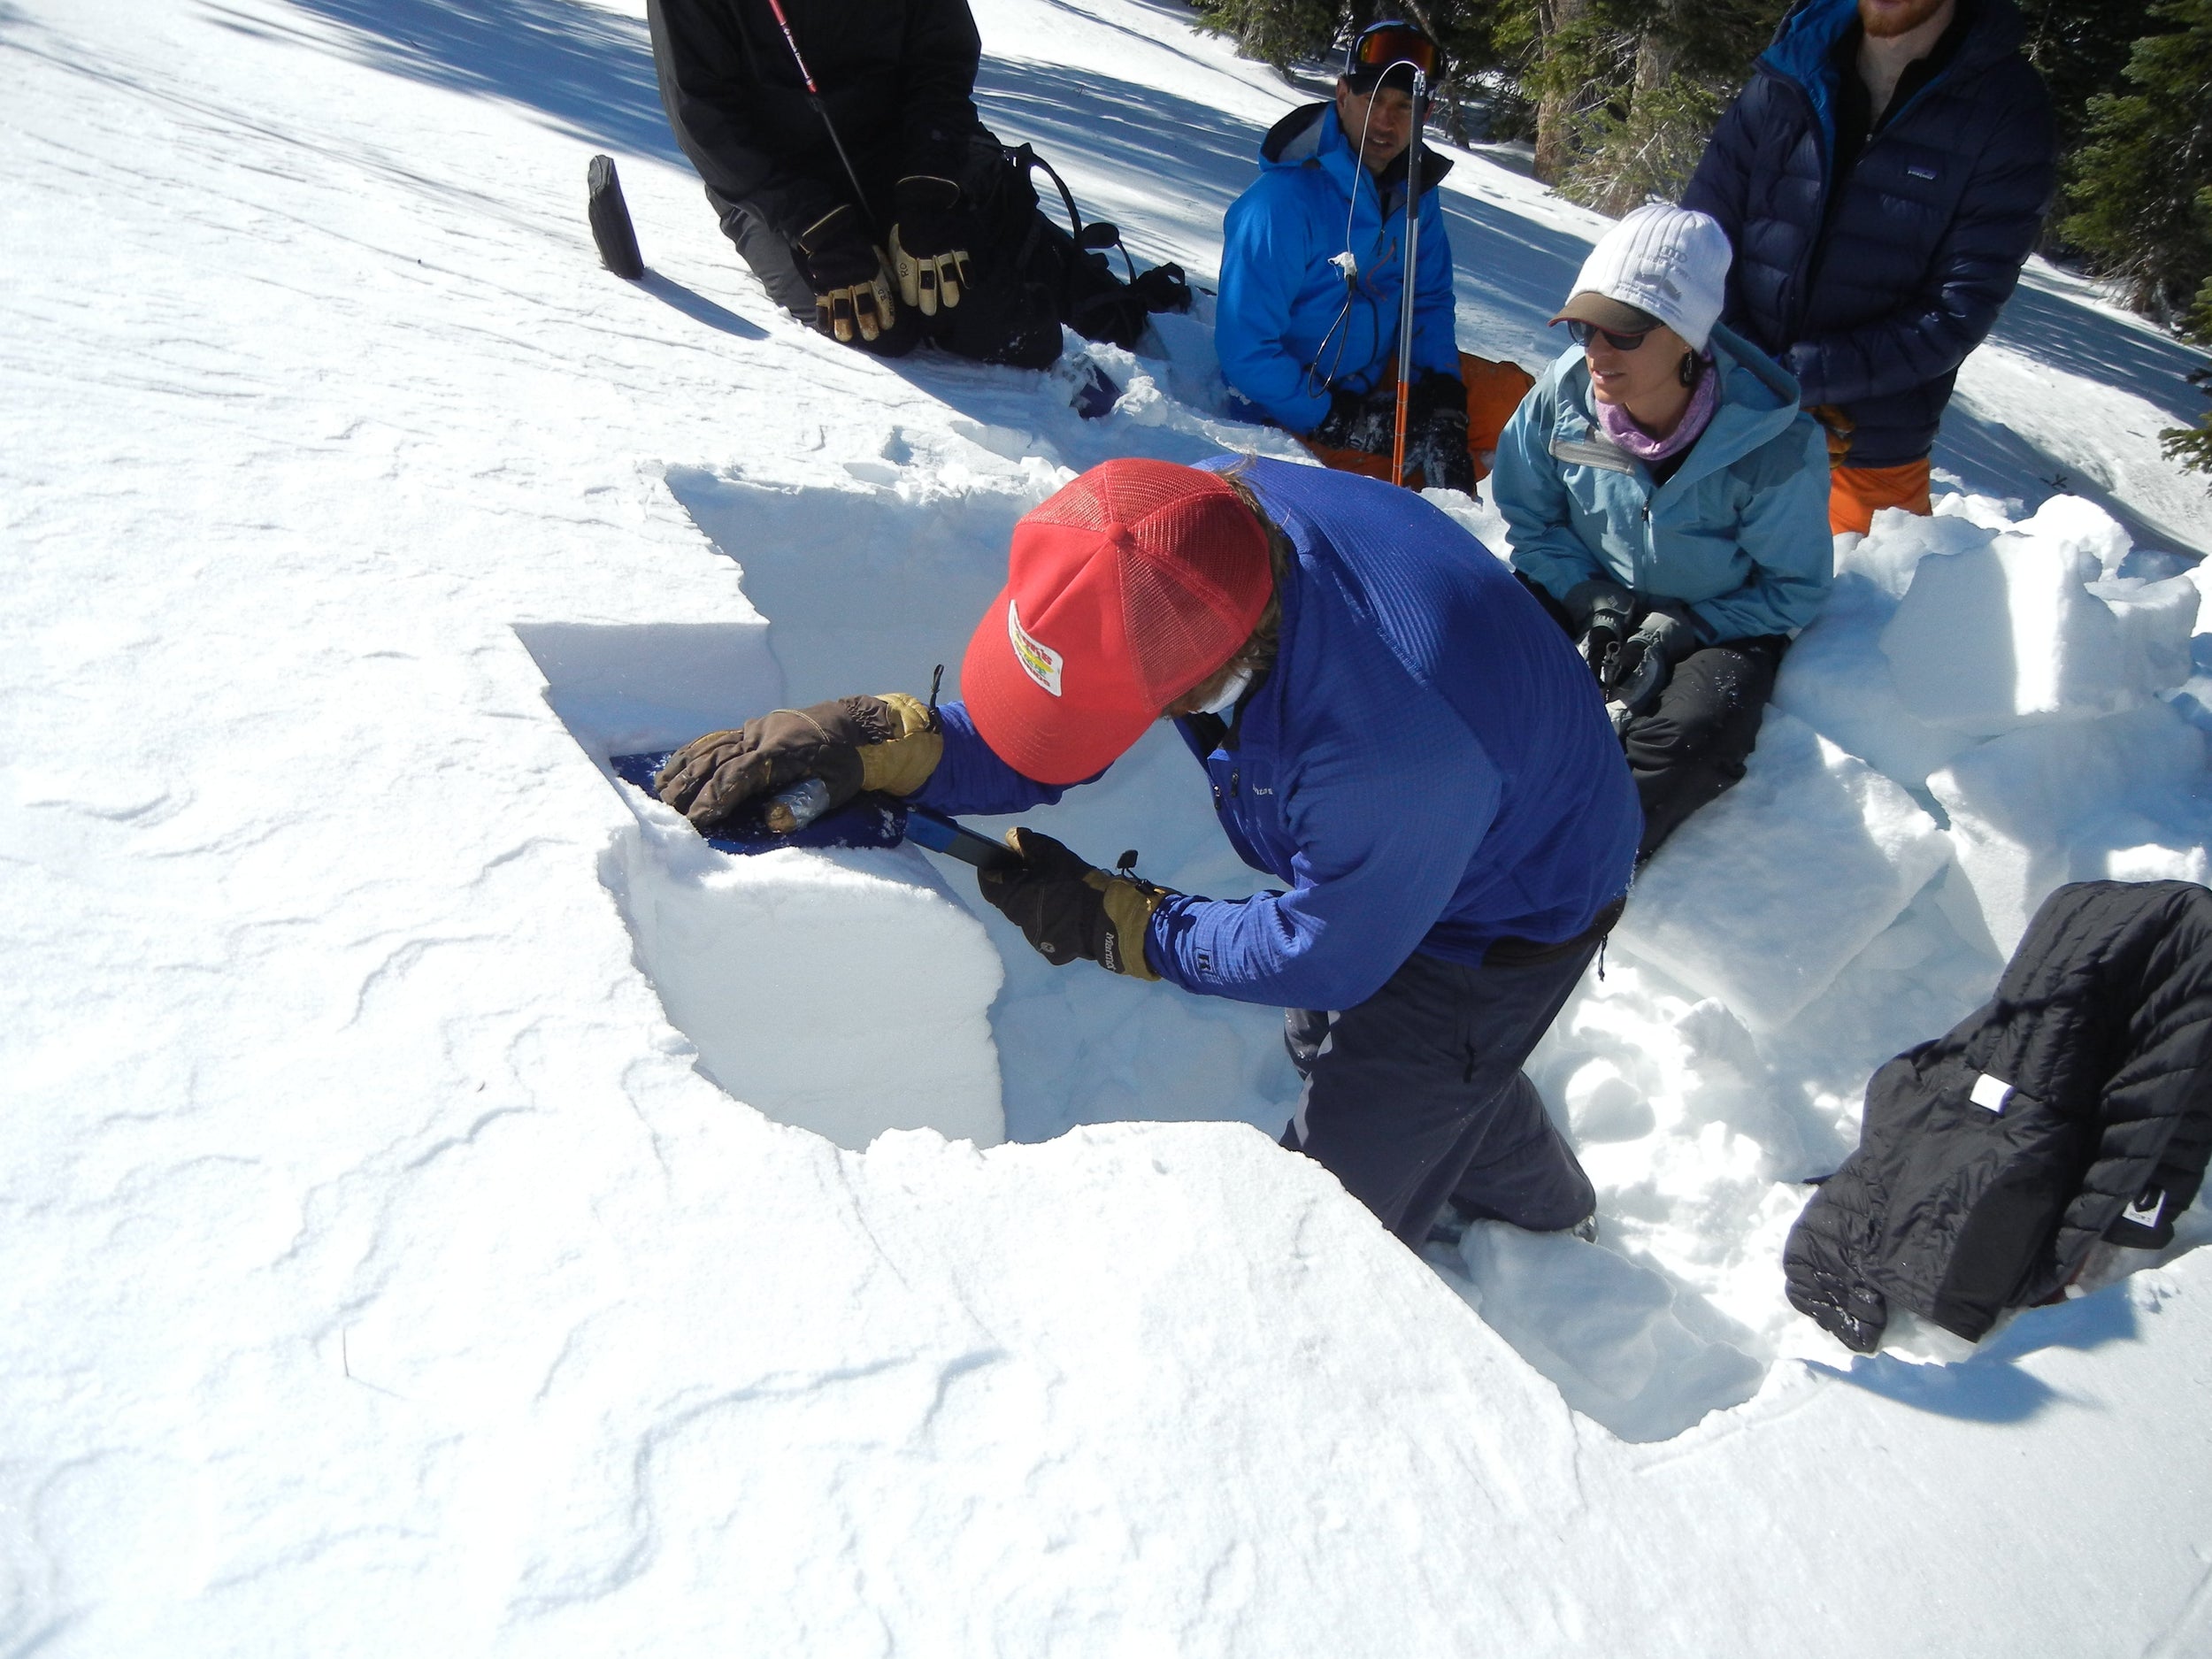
(388, 1262)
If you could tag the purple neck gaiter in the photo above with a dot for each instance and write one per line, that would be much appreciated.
(1704, 399)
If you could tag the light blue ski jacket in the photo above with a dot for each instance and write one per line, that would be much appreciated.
(1287, 327)
(1739, 534)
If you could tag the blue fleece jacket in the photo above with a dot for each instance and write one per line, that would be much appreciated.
(1872, 288)
(1287, 326)
(1428, 765)
(1739, 533)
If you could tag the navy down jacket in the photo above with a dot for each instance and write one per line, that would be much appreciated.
(2076, 1105)
(1872, 290)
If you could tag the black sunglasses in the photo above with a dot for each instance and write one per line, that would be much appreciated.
(1579, 332)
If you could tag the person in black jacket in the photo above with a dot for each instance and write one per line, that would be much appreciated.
(1883, 179)
(920, 238)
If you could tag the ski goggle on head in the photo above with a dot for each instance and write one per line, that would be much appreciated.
(1385, 46)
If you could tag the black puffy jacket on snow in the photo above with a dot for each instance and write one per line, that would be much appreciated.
(2076, 1105)
(897, 76)
(1872, 289)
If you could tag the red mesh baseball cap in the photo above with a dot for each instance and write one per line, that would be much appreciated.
(1124, 590)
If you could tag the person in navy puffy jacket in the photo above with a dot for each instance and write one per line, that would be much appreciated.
(1313, 274)
(1883, 178)
(1391, 728)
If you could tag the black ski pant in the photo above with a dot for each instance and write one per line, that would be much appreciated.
(1691, 746)
(1008, 317)
(1415, 1097)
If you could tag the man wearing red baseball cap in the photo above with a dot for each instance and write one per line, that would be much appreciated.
(1394, 728)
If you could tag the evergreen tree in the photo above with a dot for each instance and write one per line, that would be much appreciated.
(2080, 46)
(2142, 181)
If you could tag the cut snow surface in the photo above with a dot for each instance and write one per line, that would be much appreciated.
(1766, 895)
(408, 1234)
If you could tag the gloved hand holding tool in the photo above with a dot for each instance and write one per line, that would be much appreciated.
(1068, 908)
(929, 244)
(851, 288)
(889, 743)
(1647, 657)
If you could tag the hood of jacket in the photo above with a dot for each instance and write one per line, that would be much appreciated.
(1311, 134)
(1758, 404)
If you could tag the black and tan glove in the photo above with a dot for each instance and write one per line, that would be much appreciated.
(852, 290)
(889, 743)
(929, 244)
(1069, 909)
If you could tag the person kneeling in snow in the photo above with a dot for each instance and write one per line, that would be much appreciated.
(1668, 500)
(1313, 270)
(879, 207)
(1391, 726)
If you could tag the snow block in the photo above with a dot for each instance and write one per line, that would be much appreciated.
(1837, 680)
(2009, 633)
(1763, 898)
(2056, 804)
(847, 993)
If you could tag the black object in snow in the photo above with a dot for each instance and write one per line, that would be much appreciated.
(2077, 1105)
(611, 226)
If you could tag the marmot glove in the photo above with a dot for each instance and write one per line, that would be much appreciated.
(1666, 635)
(929, 244)
(1068, 908)
(1439, 447)
(889, 743)
(1601, 610)
(851, 289)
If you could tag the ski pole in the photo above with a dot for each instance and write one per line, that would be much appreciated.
(814, 96)
(1405, 298)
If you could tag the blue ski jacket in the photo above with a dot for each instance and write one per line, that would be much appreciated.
(1427, 766)
(1872, 289)
(1739, 533)
(1288, 325)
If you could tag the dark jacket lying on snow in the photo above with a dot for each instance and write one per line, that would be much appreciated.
(1872, 287)
(898, 77)
(2077, 1105)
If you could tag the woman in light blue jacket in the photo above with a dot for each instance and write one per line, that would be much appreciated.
(1669, 499)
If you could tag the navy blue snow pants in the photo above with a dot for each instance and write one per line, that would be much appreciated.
(1417, 1096)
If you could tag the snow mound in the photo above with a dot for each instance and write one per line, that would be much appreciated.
(2049, 804)
(1997, 631)
(1763, 898)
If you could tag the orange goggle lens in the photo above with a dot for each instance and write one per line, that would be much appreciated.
(1389, 43)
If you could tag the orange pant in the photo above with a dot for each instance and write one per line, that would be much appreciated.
(1494, 391)
(1856, 494)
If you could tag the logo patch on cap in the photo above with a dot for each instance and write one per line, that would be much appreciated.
(1039, 660)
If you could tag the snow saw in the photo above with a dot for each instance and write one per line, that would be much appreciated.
(800, 817)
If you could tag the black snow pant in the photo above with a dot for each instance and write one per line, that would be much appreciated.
(1692, 745)
(1415, 1097)
(1011, 315)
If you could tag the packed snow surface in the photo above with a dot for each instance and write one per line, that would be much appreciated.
(445, 1208)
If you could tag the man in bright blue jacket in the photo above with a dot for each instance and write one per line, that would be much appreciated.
(1391, 728)
(1883, 179)
(1313, 274)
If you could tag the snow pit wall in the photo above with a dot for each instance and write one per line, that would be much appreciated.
(847, 993)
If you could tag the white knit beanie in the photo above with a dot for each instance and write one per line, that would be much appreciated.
(1668, 261)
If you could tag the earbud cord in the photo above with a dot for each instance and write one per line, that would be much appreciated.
(1347, 262)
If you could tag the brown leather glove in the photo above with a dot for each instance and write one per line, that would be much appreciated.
(889, 743)
(1069, 910)
(1840, 426)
